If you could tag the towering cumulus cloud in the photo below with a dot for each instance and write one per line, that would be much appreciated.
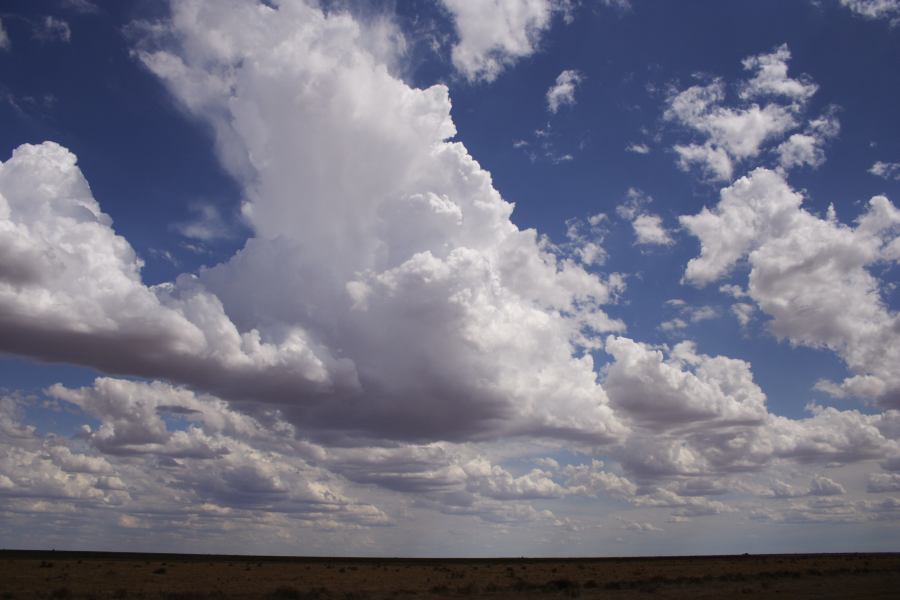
(384, 291)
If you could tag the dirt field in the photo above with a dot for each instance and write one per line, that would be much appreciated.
(99, 575)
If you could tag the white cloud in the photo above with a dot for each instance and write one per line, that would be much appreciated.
(875, 9)
(494, 34)
(743, 312)
(207, 225)
(886, 170)
(823, 486)
(640, 526)
(562, 93)
(388, 334)
(638, 148)
(648, 227)
(771, 79)
(807, 148)
(809, 274)
(687, 314)
(437, 318)
(731, 134)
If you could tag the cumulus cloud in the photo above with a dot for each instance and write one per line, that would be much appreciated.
(638, 148)
(731, 134)
(562, 93)
(648, 227)
(885, 170)
(809, 274)
(494, 34)
(387, 336)
(875, 9)
(807, 148)
(883, 482)
(436, 319)
(137, 467)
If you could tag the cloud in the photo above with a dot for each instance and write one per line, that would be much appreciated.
(886, 170)
(809, 275)
(771, 79)
(4, 37)
(638, 148)
(82, 6)
(731, 134)
(208, 224)
(883, 482)
(807, 148)
(743, 312)
(660, 392)
(258, 471)
(388, 341)
(53, 29)
(648, 227)
(562, 93)
(640, 526)
(436, 318)
(622, 5)
(823, 486)
(494, 34)
(875, 9)
(687, 314)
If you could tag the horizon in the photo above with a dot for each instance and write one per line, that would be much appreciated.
(447, 278)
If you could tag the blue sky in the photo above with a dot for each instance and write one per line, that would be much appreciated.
(260, 276)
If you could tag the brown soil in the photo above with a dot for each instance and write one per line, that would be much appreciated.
(150, 576)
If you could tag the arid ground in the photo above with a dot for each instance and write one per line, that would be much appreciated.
(106, 575)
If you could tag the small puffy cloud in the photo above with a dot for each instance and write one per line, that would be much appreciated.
(638, 148)
(586, 239)
(53, 29)
(886, 170)
(771, 79)
(207, 225)
(640, 526)
(823, 486)
(562, 93)
(648, 227)
(807, 148)
(875, 9)
(730, 134)
(687, 314)
(494, 34)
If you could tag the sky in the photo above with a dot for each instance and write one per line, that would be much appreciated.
(450, 277)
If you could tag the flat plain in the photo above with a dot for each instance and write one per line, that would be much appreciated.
(31, 574)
